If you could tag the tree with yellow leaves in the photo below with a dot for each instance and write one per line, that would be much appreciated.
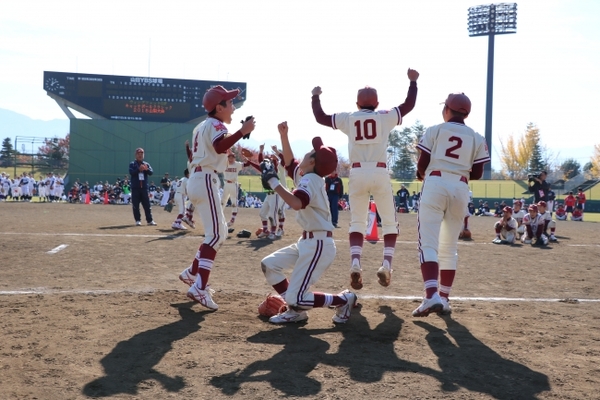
(595, 160)
(520, 155)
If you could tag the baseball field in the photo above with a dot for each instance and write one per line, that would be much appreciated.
(91, 307)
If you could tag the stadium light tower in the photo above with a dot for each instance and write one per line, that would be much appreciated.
(491, 20)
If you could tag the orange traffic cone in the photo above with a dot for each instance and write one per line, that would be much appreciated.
(106, 197)
(87, 198)
(372, 233)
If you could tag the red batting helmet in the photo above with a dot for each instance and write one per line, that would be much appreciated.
(458, 102)
(217, 94)
(367, 97)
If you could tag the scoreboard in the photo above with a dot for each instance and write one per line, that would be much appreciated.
(136, 98)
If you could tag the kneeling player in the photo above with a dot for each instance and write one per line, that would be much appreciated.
(314, 252)
(506, 228)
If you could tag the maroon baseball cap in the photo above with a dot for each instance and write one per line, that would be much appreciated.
(217, 94)
(542, 203)
(508, 209)
(458, 102)
(326, 160)
(367, 97)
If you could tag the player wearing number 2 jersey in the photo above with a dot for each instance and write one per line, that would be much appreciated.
(450, 153)
(368, 132)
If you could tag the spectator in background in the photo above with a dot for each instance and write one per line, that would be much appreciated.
(539, 187)
(577, 215)
(403, 196)
(165, 183)
(335, 189)
(570, 202)
(560, 212)
(580, 200)
(415, 201)
(140, 170)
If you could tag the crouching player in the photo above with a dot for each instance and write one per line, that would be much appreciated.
(561, 214)
(506, 228)
(534, 227)
(314, 252)
(548, 221)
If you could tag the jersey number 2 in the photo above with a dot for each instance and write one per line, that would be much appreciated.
(458, 145)
(369, 126)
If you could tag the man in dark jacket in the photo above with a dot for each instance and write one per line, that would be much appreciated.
(539, 187)
(140, 171)
(335, 189)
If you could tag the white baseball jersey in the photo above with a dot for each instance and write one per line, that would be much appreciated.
(518, 215)
(181, 186)
(534, 222)
(368, 132)
(316, 216)
(203, 151)
(453, 148)
(230, 175)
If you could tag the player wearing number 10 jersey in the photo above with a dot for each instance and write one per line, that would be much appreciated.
(368, 132)
(451, 153)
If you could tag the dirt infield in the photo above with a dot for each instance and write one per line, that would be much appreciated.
(106, 316)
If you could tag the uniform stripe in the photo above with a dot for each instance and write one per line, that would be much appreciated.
(213, 210)
(399, 116)
(306, 281)
(333, 125)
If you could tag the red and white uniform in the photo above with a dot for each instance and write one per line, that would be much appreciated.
(368, 134)
(561, 214)
(180, 197)
(534, 226)
(453, 149)
(309, 256)
(230, 189)
(507, 230)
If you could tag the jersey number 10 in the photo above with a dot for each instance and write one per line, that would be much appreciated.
(366, 129)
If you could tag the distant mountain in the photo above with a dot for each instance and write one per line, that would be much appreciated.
(18, 126)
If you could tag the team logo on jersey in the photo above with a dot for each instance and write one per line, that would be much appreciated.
(218, 125)
(215, 181)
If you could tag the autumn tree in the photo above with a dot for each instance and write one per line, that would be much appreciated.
(595, 161)
(520, 155)
(55, 152)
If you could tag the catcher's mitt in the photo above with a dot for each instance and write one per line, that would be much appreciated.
(247, 153)
(271, 305)
(268, 171)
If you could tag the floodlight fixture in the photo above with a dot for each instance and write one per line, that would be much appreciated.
(491, 20)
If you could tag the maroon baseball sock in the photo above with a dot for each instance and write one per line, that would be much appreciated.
(281, 287)
(356, 244)
(430, 272)
(389, 245)
(446, 281)
(206, 252)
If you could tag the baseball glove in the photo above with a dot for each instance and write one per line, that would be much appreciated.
(247, 153)
(247, 135)
(271, 305)
(268, 172)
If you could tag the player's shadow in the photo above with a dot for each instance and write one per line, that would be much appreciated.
(287, 371)
(474, 366)
(373, 347)
(116, 227)
(132, 361)
(173, 236)
(255, 244)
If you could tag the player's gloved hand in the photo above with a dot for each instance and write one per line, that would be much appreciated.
(268, 172)
(248, 126)
(317, 91)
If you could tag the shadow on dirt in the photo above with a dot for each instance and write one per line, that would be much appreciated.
(367, 354)
(472, 365)
(131, 362)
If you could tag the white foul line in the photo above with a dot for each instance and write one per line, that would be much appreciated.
(57, 249)
(183, 236)
(364, 296)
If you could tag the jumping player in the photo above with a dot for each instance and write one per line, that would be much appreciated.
(451, 152)
(210, 142)
(314, 252)
(368, 132)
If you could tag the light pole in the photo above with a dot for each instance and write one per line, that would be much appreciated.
(491, 20)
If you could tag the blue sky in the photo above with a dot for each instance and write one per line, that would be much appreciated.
(546, 73)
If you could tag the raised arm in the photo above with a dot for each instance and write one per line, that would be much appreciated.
(411, 97)
(318, 112)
